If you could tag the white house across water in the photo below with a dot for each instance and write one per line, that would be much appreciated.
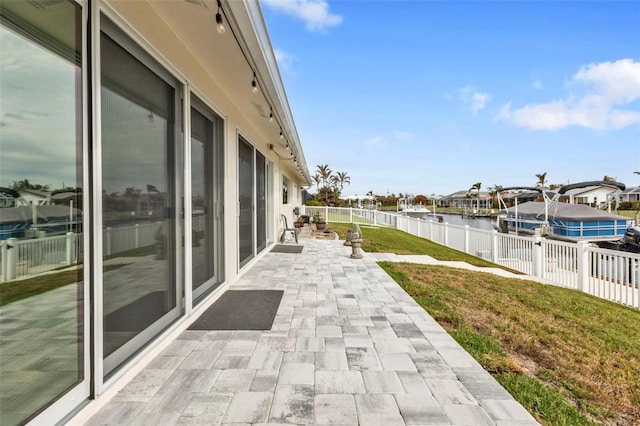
(170, 122)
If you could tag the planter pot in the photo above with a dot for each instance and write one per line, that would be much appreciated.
(320, 225)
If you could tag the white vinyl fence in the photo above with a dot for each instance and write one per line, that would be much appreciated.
(608, 274)
(24, 258)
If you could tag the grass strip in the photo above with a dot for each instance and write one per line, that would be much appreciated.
(389, 240)
(13, 291)
(567, 357)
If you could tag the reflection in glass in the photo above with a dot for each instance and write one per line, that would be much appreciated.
(41, 310)
(137, 194)
(245, 194)
(202, 198)
(261, 203)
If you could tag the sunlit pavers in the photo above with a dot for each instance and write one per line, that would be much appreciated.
(348, 346)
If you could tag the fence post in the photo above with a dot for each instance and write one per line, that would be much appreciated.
(446, 234)
(537, 256)
(69, 248)
(350, 214)
(431, 230)
(3, 260)
(137, 236)
(466, 239)
(375, 217)
(12, 259)
(582, 265)
(108, 240)
(494, 246)
(326, 213)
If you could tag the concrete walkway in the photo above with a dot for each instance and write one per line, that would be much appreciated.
(348, 346)
(428, 260)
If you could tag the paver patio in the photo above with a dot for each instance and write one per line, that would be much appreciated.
(348, 346)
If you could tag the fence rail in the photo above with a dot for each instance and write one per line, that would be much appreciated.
(24, 258)
(608, 274)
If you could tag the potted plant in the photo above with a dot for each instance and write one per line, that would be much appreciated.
(318, 219)
(299, 223)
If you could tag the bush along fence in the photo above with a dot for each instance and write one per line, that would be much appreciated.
(608, 274)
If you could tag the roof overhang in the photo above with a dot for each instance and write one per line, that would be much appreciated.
(230, 60)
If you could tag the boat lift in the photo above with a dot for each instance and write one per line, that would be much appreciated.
(615, 196)
(502, 204)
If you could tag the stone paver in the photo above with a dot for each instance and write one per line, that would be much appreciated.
(348, 346)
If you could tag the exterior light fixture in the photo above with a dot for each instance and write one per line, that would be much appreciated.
(254, 85)
(219, 25)
(282, 136)
(271, 115)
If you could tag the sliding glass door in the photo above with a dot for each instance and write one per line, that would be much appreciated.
(206, 198)
(255, 200)
(245, 201)
(43, 309)
(261, 205)
(140, 252)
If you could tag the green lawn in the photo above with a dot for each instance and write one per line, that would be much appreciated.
(567, 357)
(389, 240)
(631, 214)
(16, 290)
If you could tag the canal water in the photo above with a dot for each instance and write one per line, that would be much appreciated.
(456, 219)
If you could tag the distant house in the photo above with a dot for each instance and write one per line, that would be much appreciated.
(523, 197)
(435, 199)
(591, 195)
(631, 194)
(35, 197)
(7, 197)
(464, 199)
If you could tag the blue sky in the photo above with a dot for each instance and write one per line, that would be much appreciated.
(425, 97)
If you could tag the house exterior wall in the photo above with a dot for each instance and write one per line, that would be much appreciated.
(161, 46)
(595, 196)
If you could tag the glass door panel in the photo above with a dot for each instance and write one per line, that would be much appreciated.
(138, 199)
(245, 200)
(204, 261)
(261, 205)
(42, 345)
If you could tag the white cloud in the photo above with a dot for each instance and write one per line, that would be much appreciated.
(374, 142)
(314, 13)
(537, 84)
(285, 60)
(599, 90)
(402, 135)
(477, 100)
(372, 145)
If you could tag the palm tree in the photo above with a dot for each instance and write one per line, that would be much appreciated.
(542, 179)
(325, 173)
(316, 179)
(475, 187)
(341, 178)
(494, 191)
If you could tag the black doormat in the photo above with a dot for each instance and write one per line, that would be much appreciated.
(139, 314)
(285, 248)
(241, 310)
